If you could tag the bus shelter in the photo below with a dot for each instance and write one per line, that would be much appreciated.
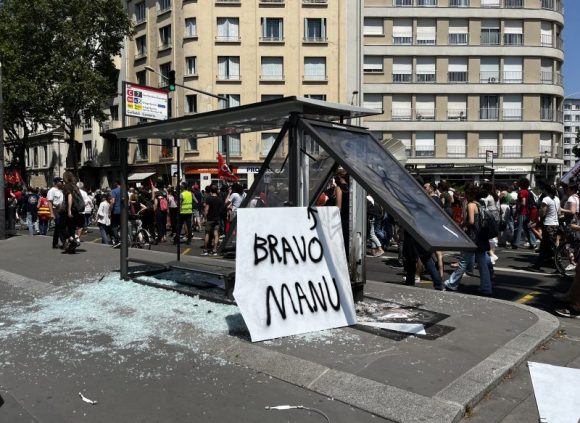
(315, 138)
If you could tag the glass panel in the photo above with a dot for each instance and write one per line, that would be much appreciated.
(390, 184)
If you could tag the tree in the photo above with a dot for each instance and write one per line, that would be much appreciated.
(76, 42)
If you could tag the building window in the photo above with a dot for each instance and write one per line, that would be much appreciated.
(191, 103)
(35, 157)
(458, 32)
(458, 3)
(490, 3)
(191, 144)
(512, 107)
(425, 69)
(234, 144)
(191, 66)
(511, 4)
(267, 142)
(546, 36)
(457, 70)
(166, 148)
(190, 28)
(513, 34)
(165, 37)
(457, 107)
(425, 107)
(488, 142)
(88, 150)
(426, 3)
(374, 26)
(315, 30)
(546, 110)
(164, 5)
(426, 31)
(401, 107)
(140, 12)
(489, 107)
(373, 64)
(403, 3)
(545, 143)
(373, 101)
(142, 150)
(270, 97)
(321, 97)
(229, 68)
(272, 29)
(511, 145)
(140, 46)
(402, 69)
(44, 157)
(113, 150)
(164, 71)
(403, 31)
(546, 72)
(114, 110)
(272, 69)
(233, 101)
(513, 70)
(424, 144)
(228, 29)
(490, 32)
(315, 68)
(489, 70)
(141, 77)
(456, 145)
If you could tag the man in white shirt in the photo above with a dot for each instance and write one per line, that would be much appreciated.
(88, 209)
(549, 213)
(55, 198)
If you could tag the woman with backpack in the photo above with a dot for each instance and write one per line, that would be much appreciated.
(474, 230)
(161, 209)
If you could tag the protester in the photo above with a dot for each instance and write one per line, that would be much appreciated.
(71, 212)
(374, 212)
(185, 213)
(104, 219)
(173, 211)
(30, 209)
(212, 212)
(342, 196)
(55, 199)
(116, 214)
(549, 210)
(88, 209)
(43, 212)
(525, 214)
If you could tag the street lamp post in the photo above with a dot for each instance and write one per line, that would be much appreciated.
(2, 196)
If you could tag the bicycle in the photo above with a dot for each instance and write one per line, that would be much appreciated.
(139, 237)
(566, 253)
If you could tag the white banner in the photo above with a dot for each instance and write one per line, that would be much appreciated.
(145, 102)
(291, 271)
(571, 173)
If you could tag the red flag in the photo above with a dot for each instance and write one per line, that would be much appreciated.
(224, 171)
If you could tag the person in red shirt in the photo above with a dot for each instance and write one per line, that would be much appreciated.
(523, 215)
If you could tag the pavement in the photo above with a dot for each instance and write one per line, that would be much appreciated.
(68, 325)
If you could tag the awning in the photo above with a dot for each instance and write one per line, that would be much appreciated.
(140, 176)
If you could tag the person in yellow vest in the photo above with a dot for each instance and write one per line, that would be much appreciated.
(186, 204)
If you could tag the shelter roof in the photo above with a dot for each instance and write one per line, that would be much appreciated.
(253, 117)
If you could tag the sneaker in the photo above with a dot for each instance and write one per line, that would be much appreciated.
(205, 253)
(214, 253)
(567, 312)
(570, 267)
(449, 287)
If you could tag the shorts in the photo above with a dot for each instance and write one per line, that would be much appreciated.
(211, 225)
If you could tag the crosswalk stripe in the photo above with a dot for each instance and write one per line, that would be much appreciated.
(528, 297)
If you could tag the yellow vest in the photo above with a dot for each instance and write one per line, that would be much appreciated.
(186, 203)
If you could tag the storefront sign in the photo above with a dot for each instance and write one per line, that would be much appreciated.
(145, 102)
(195, 170)
(291, 279)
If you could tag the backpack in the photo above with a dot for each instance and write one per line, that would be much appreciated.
(43, 209)
(163, 206)
(488, 225)
(531, 202)
(78, 204)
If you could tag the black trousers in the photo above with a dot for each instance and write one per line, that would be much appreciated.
(184, 219)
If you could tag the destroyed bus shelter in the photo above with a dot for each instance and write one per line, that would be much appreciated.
(313, 142)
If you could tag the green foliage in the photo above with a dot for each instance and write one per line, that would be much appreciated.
(576, 151)
(58, 57)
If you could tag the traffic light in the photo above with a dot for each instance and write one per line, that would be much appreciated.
(171, 80)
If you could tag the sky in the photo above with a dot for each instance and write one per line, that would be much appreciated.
(572, 47)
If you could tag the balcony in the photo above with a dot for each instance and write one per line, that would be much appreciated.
(515, 77)
(402, 114)
(272, 39)
(489, 113)
(457, 113)
(546, 40)
(513, 39)
(547, 114)
(458, 3)
(489, 77)
(426, 151)
(426, 3)
(402, 78)
(402, 40)
(548, 4)
(403, 3)
(456, 152)
(457, 77)
(512, 113)
(490, 37)
(228, 77)
(511, 152)
(425, 113)
(458, 39)
(483, 149)
(514, 4)
(546, 77)
(227, 39)
(313, 39)
(425, 77)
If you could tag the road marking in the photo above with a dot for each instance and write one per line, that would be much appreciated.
(528, 297)
(96, 239)
(184, 252)
(526, 272)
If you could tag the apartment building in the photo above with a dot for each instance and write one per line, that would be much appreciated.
(245, 50)
(571, 130)
(458, 78)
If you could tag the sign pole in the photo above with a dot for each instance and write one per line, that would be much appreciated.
(122, 146)
(2, 183)
(178, 152)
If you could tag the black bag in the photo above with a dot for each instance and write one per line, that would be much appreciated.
(488, 226)
(78, 204)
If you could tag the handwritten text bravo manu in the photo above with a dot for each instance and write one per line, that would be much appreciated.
(297, 250)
